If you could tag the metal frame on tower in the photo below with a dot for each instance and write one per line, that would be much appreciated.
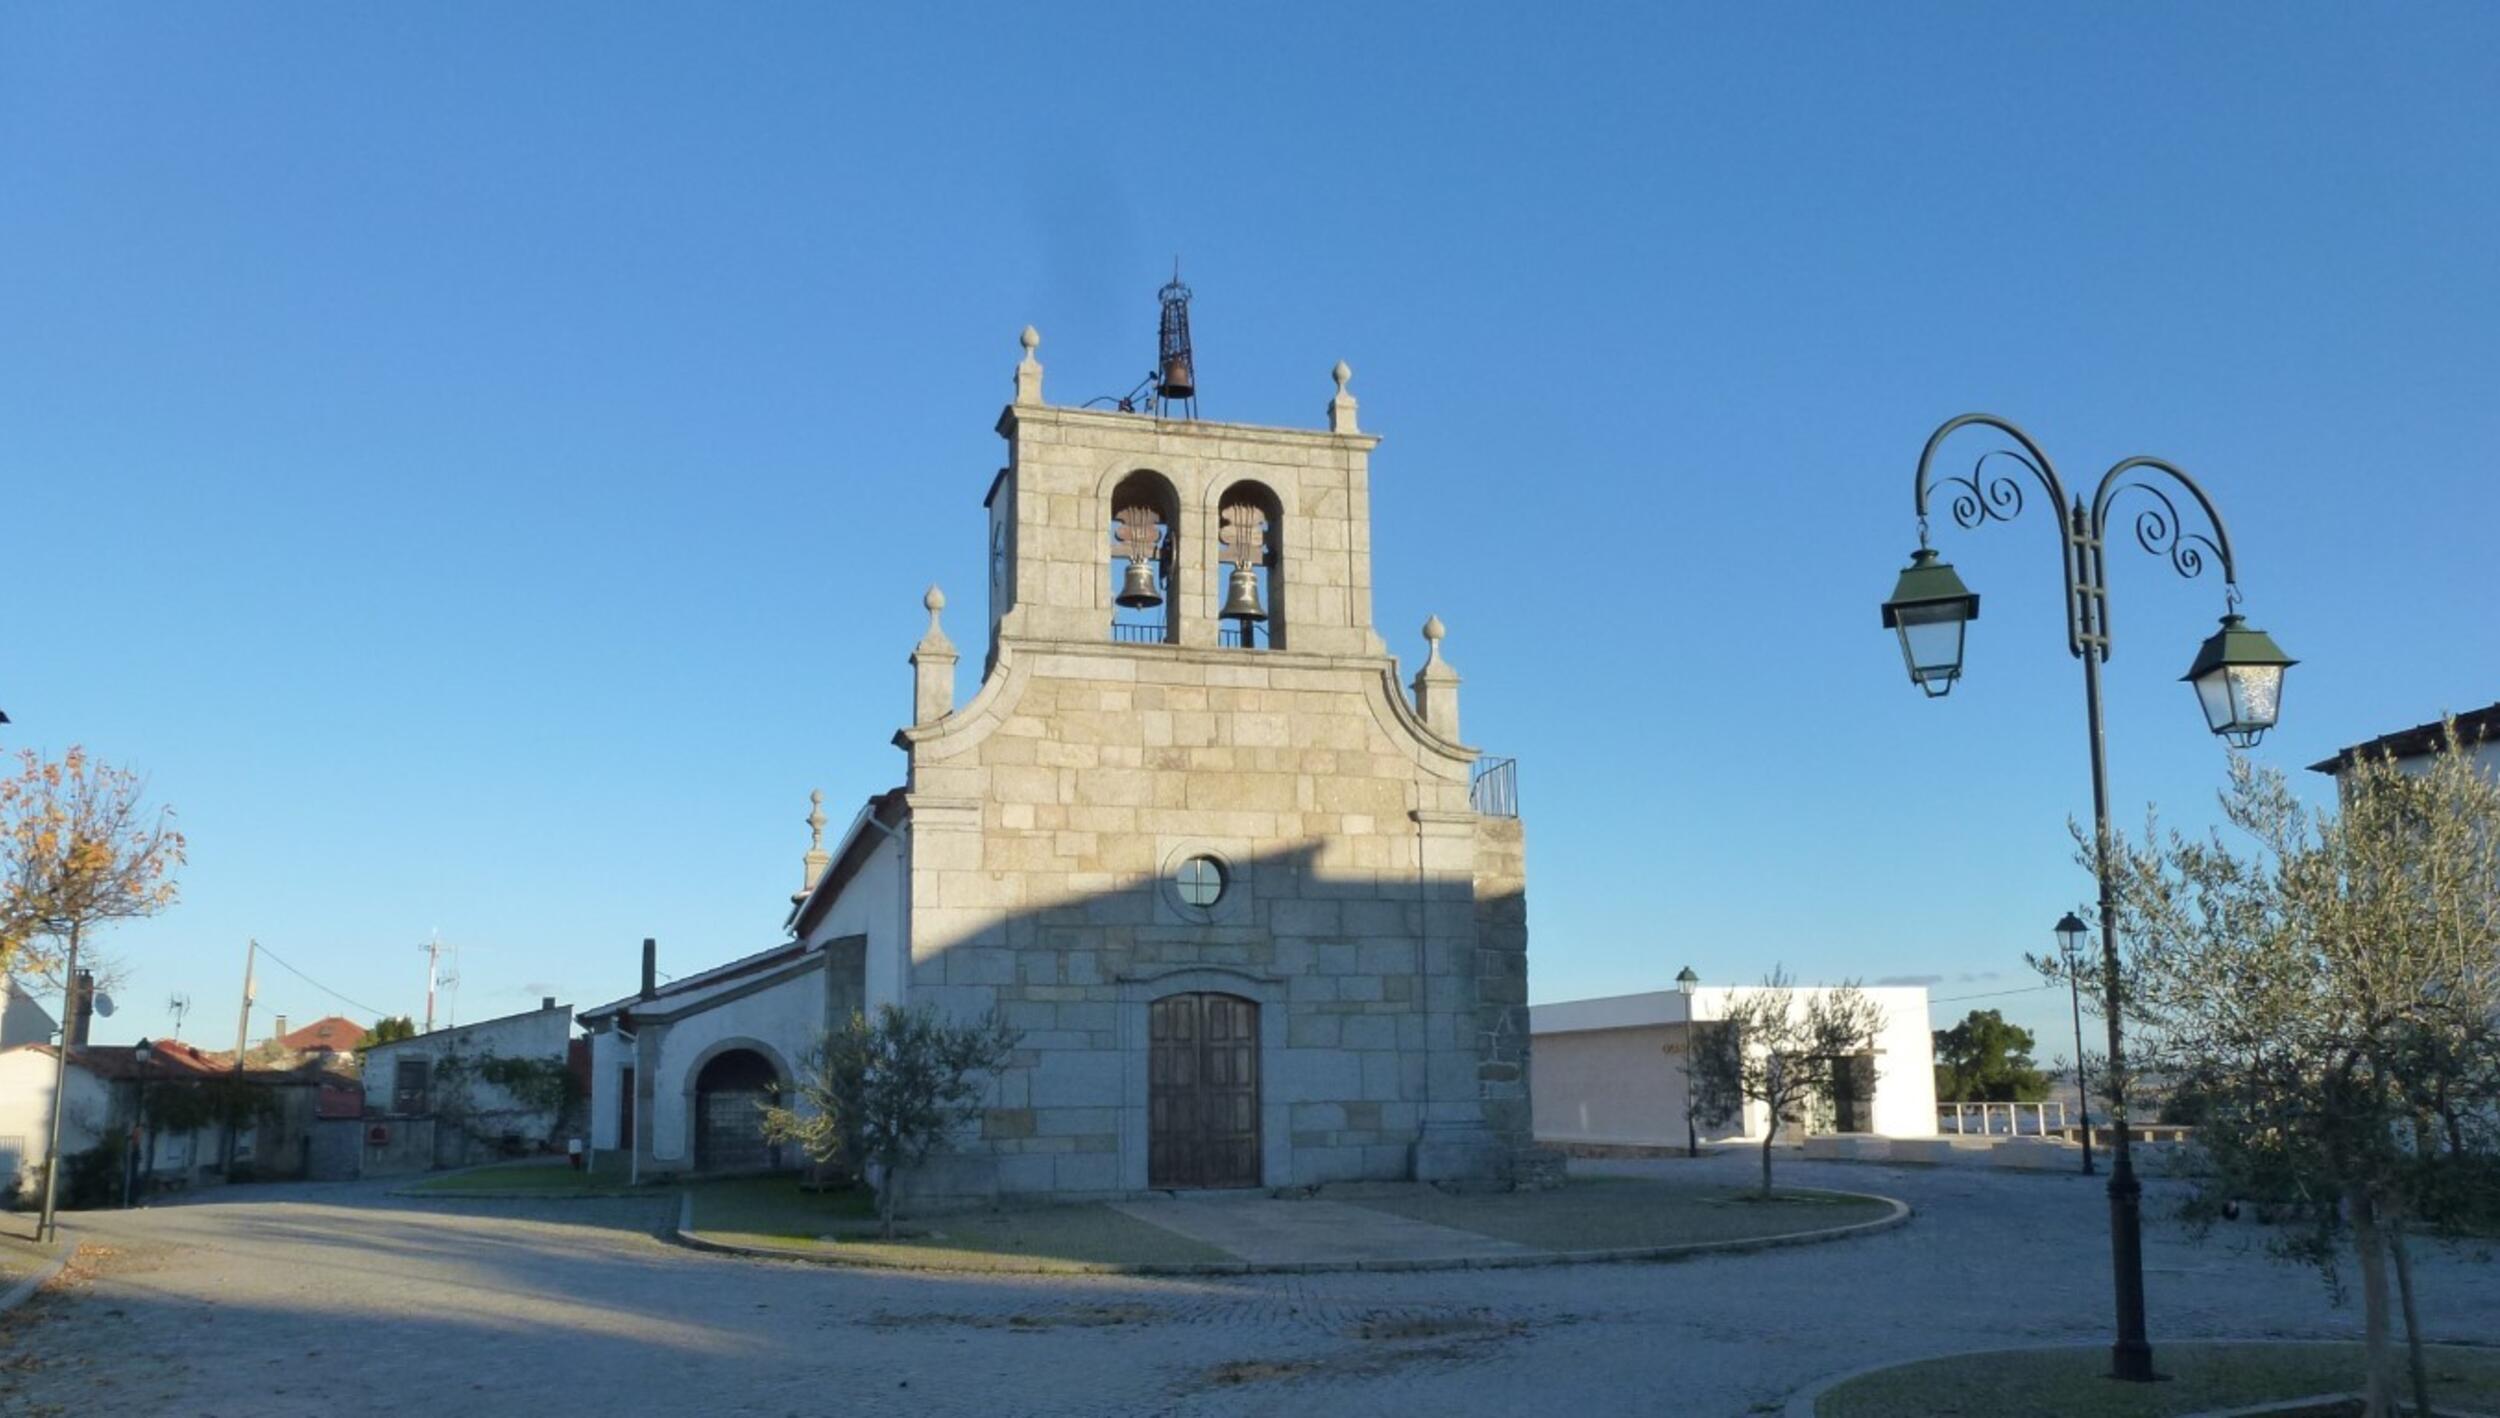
(1176, 366)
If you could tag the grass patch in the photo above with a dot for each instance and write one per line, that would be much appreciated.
(539, 1178)
(2074, 1383)
(1617, 1213)
(20, 1257)
(774, 1211)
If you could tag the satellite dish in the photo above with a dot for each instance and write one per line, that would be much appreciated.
(104, 1004)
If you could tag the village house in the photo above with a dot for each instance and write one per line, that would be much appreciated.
(470, 1093)
(1257, 909)
(154, 1096)
(2479, 729)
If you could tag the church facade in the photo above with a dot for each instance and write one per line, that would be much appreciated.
(1255, 908)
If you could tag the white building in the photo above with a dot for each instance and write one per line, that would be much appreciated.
(22, 1021)
(433, 1101)
(1610, 1071)
(2412, 748)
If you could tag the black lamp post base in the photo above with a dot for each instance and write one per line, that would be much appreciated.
(2132, 1363)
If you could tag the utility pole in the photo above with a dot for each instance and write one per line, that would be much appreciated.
(243, 1020)
(433, 949)
(60, 1083)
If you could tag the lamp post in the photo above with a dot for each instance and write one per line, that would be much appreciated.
(142, 1054)
(2070, 945)
(1685, 983)
(2237, 673)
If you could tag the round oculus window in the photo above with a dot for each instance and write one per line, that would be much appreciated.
(1200, 881)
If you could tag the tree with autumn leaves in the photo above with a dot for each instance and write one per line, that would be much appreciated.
(79, 848)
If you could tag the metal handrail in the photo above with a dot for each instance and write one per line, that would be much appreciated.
(1126, 632)
(2000, 1119)
(1494, 791)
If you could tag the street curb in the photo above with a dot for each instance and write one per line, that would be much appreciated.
(25, 1289)
(457, 1194)
(1801, 1403)
(684, 1234)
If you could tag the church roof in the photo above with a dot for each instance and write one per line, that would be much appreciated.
(744, 965)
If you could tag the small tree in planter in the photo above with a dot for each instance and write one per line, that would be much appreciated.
(1778, 1046)
(884, 1094)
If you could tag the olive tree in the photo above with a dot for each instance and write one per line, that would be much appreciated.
(879, 1095)
(1782, 1047)
(2327, 991)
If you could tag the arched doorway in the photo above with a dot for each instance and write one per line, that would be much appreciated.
(729, 1098)
(1202, 1091)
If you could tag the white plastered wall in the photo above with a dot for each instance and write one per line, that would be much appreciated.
(782, 1021)
(1611, 1070)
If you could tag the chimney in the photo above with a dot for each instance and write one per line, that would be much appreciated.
(546, 1001)
(81, 1008)
(277, 1030)
(650, 968)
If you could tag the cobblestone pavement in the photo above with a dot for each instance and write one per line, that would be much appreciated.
(322, 1300)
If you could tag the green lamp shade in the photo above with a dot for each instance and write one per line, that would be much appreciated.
(2070, 931)
(1929, 609)
(2238, 676)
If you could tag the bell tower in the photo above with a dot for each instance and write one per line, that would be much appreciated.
(1149, 526)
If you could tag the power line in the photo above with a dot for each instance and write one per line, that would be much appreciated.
(316, 984)
(1993, 994)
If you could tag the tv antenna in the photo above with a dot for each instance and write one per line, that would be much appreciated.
(177, 1004)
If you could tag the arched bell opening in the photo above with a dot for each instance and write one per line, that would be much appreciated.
(1145, 547)
(1250, 582)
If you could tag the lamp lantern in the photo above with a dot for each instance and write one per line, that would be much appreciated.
(2070, 932)
(2238, 676)
(1930, 608)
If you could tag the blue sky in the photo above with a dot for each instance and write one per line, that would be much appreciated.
(483, 465)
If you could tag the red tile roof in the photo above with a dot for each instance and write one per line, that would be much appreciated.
(336, 1033)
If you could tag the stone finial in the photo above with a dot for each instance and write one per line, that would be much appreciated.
(933, 666)
(1436, 685)
(812, 866)
(1029, 369)
(1341, 408)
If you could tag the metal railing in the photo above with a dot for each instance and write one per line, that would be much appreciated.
(1137, 632)
(1494, 791)
(2001, 1119)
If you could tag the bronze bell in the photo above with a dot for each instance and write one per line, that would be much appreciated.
(1137, 589)
(1178, 380)
(1241, 598)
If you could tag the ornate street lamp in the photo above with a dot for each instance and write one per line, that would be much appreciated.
(2070, 930)
(1685, 983)
(2238, 677)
